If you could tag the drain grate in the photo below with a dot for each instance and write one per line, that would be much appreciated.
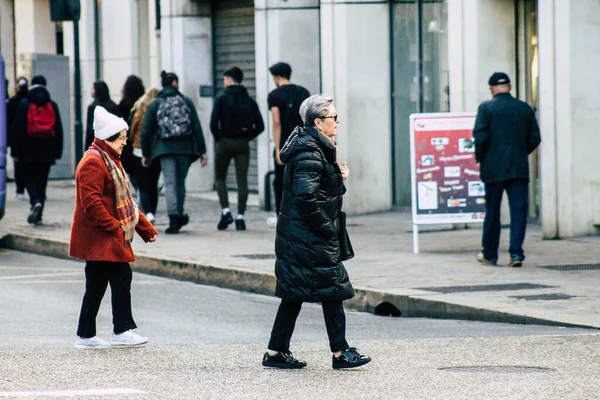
(485, 288)
(549, 296)
(572, 267)
(499, 369)
(257, 256)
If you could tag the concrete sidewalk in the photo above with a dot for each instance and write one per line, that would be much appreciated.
(443, 281)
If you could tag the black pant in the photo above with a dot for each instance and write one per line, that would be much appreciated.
(278, 184)
(518, 201)
(285, 321)
(239, 150)
(19, 177)
(98, 274)
(36, 181)
(147, 180)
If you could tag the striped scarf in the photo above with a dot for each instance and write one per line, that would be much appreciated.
(126, 211)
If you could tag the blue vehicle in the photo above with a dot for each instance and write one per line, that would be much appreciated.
(3, 138)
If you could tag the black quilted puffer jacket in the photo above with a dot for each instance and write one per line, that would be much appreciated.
(308, 266)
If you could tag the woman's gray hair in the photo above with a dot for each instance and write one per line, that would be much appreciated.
(314, 107)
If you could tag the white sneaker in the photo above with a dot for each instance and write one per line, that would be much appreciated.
(272, 221)
(127, 338)
(20, 196)
(150, 217)
(91, 343)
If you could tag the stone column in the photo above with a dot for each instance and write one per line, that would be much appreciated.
(355, 67)
(569, 117)
(7, 47)
(35, 33)
(285, 31)
(186, 49)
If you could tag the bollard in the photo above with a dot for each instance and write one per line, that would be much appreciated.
(3, 138)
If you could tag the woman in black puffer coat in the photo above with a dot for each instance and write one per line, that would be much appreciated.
(308, 266)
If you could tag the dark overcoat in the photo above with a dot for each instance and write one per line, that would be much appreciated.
(308, 265)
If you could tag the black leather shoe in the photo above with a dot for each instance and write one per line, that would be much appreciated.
(174, 226)
(282, 360)
(183, 219)
(35, 213)
(350, 358)
(226, 220)
(240, 225)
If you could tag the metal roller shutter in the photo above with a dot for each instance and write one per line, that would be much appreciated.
(233, 35)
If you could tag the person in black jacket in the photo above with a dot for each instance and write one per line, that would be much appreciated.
(11, 112)
(234, 122)
(101, 96)
(307, 245)
(506, 132)
(37, 143)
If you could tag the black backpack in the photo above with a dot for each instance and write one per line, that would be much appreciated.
(290, 116)
(238, 119)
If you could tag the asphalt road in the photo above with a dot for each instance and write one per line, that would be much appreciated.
(207, 343)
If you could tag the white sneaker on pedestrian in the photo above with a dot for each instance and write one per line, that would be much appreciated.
(20, 196)
(150, 217)
(127, 338)
(272, 221)
(91, 343)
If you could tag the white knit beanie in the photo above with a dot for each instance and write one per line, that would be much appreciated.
(106, 124)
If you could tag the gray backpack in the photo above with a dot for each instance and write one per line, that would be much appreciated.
(173, 118)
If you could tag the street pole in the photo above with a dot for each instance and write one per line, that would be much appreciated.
(78, 125)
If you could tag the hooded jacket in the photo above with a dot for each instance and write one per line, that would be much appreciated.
(32, 150)
(223, 105)
(154, 147)
(308, 265)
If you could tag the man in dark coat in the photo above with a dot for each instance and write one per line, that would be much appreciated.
(309, 264)
(37, 146)
(505, 132)
(11, 112)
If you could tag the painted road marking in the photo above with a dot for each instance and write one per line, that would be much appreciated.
(72, 393)
(5, 278)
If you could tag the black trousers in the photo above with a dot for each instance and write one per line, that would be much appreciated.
(98, 274)
(19, 177)
(147, 181)
(36, 181)
(518, 202)
(239, 151)
(285, 321)
(278, 184)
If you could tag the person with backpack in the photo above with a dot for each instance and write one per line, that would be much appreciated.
(12, 105)
(171, 133)
(284, 103)
(234, 122)
(37, 143)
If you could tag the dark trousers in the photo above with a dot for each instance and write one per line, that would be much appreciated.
(98, 274)
(239, 151)
(19, 177)
(36, 181)
(147, 180)
(285, 321)
(278, 184)
(518, 201)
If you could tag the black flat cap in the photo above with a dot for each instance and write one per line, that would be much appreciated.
(498, 78)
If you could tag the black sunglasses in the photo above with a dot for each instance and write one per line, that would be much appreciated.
(335, 117)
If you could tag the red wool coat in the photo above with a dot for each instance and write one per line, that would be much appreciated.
(96, 235)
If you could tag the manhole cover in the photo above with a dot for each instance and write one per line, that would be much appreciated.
(257, 256)
(549, 296)
(572, 267)
(484, 288)
(499, 369)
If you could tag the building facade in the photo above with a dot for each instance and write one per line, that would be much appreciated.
(381, 61)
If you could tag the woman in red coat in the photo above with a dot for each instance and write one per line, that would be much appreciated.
(104, 222)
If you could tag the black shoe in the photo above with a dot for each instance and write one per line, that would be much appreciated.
(350, 358)
(174, 224)
(240, 225)
(35, 213)
(184, 219)
(282, 360)
(516, 262)
(226, 220)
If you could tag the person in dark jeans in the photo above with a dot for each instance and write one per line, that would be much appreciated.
(234, 122)
(284, 104)
(37, 139)
(11, 112)
(506, 132)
